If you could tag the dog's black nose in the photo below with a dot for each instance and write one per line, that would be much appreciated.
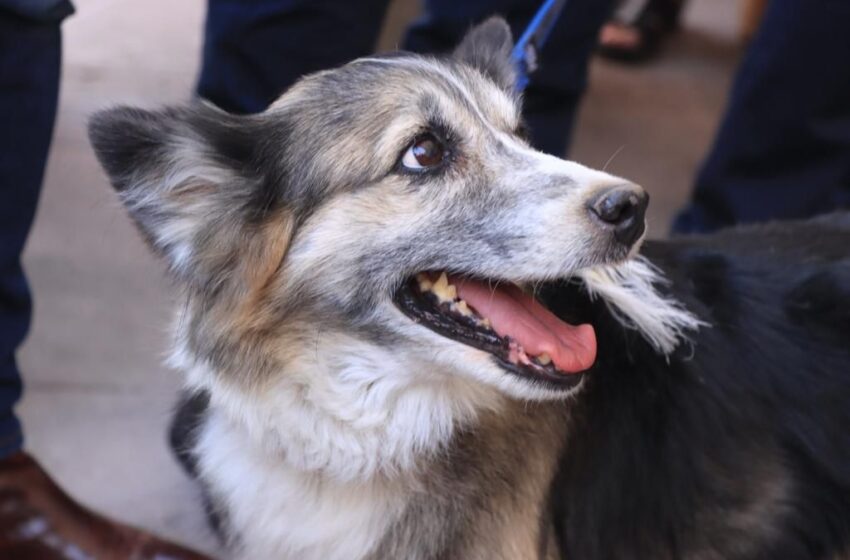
(622, 208)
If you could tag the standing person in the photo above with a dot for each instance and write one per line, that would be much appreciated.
(783, 149)
(37, 519)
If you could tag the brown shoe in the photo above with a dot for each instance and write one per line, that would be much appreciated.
(38, 521)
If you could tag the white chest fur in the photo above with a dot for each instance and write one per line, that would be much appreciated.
(301, 469)
(280, 513)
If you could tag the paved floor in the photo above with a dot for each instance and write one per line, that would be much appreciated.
(98, 398)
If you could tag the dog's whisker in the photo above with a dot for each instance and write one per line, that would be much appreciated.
(614, 155)
(493, 288)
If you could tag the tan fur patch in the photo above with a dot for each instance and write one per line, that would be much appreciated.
(262, 260)
(234, 329)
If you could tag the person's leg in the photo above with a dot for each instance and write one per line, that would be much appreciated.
(253, 51)
(37, 518)
(29, 86)
(552, 97)
(783, 149)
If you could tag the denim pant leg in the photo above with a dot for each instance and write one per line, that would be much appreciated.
(253, 51)
(30, 53)
(552, 98)
(783, 149)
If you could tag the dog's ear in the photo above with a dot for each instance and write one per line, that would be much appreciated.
(487, 47)
(193, 181)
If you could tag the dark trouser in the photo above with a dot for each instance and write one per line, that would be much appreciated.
(255, 50)
(783, 150)
(30, 53)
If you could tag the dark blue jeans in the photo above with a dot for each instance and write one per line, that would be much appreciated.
(30, 53)
(255, 50)
(783, 149)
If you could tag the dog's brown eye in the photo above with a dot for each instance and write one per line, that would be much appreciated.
(426, 151)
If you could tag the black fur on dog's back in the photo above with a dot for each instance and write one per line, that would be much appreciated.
(736, 447)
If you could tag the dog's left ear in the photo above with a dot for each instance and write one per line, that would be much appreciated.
(487, 47)
(193, 179)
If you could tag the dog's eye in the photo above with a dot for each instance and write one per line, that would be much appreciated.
(425, 151)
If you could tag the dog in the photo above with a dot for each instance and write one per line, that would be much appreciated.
(408, 334)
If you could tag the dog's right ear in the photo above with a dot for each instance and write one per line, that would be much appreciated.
(193, 180)
(487, 47)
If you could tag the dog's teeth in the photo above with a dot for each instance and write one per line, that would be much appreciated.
(425, 283)
(485, 322)
(462, 308)
(443, 290)
(544, 359)
(451, 292)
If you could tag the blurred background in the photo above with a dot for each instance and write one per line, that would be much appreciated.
(97, 396)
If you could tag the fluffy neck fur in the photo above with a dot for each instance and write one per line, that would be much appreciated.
(366, 415)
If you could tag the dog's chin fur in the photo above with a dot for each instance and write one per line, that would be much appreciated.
(629, 289)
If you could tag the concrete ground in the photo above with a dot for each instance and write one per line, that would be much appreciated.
(97, 395)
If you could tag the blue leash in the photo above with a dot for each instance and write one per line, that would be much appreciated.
(527, 50)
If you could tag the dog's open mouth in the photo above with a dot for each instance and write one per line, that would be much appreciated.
(524, 337)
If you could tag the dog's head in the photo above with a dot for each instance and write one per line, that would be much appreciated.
(390, 206)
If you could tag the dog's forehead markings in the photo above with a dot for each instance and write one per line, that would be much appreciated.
(434, 67)
(542, 162)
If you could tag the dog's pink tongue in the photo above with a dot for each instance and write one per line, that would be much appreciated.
(513, 313)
